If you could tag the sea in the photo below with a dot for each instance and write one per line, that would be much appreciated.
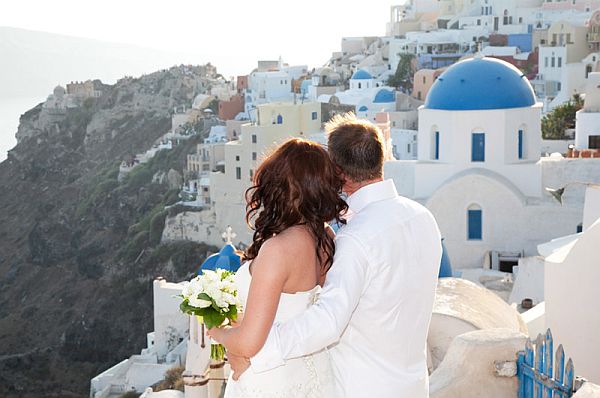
(11, 110)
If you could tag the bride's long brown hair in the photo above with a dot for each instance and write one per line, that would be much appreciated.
(297, 184)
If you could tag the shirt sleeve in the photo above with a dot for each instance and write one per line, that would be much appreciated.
(323, 323)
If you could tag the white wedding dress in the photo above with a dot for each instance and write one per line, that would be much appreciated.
(306, 377)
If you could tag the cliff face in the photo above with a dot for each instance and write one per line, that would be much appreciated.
(79, 250)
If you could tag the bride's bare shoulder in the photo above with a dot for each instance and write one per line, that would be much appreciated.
(292, 242)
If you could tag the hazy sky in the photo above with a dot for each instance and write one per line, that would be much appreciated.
(231, 34)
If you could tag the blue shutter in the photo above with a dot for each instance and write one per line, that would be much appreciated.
(520, 144)
(475, 224)
(478, 147)
(437, 145)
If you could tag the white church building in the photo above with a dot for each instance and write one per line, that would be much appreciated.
(368, 96)
(479, 168)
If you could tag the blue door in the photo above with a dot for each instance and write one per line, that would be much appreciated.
(478, 147)
(474, 224)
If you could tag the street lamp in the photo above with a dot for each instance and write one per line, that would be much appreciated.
(557, 193)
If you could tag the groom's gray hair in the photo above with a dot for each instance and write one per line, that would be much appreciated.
(356, 146)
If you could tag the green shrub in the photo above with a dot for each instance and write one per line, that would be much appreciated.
(157, 224)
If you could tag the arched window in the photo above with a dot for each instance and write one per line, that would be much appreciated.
(435, 143)
(478, 147)
(279, 119)
(474, 222)
(359, 85)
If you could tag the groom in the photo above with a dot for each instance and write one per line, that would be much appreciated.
(374, 310)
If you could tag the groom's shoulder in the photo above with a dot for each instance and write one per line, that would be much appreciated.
(400, 206)
(410, 206)
(388, 215)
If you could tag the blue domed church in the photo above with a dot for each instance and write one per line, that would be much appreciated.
(368, 96)
(480, 168)
(227, 258)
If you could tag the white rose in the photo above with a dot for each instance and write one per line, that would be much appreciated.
(188, 290)
(210, 277)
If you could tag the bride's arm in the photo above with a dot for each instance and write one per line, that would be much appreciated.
(269, 274)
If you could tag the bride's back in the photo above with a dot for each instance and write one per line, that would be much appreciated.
(299, 248)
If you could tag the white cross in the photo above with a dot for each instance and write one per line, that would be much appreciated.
(228, 235)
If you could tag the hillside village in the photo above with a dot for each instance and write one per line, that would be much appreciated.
(450, 86)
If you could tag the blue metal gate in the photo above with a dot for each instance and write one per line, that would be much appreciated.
(541, 373)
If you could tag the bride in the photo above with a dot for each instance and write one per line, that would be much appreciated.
(295, 192)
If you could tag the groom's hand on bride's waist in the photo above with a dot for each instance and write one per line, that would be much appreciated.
(238, 365)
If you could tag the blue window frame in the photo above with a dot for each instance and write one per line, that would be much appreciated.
(436, 154)
(474, 224)
(279, 119)
(314, 116)
(520, 144)
(478, 147)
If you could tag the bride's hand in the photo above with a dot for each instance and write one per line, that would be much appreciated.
(218, 334)
(238, 321)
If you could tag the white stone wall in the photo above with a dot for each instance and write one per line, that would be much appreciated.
(469, 370)
(170, 325)
(591, 209)
(572, 297)
(461, 306)
(535, 319)
(528, 281)
(556, 146)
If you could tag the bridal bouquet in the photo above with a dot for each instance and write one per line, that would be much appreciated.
(212, 297)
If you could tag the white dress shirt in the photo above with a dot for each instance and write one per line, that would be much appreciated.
(375, 307)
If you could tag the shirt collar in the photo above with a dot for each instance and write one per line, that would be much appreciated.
(375, 192)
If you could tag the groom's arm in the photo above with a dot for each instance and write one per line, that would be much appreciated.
(323, 323)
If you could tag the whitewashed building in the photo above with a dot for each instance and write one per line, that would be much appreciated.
(479, 168)
(587, 130)
(368, 95)
(271, 84)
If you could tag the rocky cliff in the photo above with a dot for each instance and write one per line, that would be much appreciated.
(79, 250)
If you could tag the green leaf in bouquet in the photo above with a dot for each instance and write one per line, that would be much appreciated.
(204, 296)
(212, 318)
(184, 307)
(232, 314)
(216, 307)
